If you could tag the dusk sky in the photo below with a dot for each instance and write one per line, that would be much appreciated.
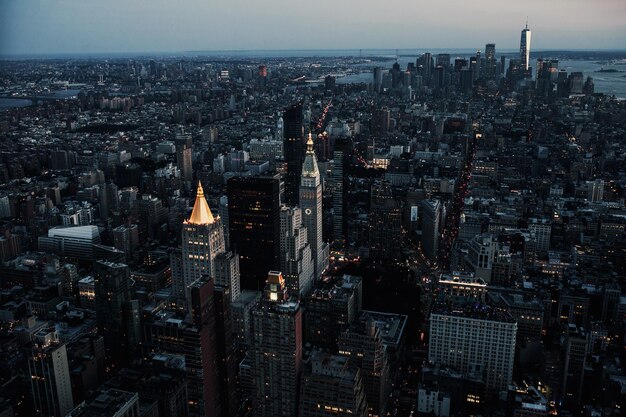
(101, 26)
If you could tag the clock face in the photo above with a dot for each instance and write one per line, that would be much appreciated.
(307, 211)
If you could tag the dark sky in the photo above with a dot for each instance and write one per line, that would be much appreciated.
(100, 26)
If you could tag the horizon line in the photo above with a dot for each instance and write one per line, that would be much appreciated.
(277, 50)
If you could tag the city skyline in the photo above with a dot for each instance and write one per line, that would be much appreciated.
(70, 27)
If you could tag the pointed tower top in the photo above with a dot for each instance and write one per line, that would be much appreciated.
(309, 167)
(309, 144)
(201, 213)
(526, 22)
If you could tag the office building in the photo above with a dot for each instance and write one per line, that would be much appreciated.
(362, 342)
(331, 386)
(117, 315)
(574, 363)
(293, 150)
(74, 241)
(276, 354)
(469, 334)
(524, 49)
(491, 64)
(330, 310)
(202, 242)
(254, 220)
(184, 158)
(110, 403)
(295, 252)
(227, 273)
(431, 220)
(193, 336)
(341, 155)
(225, 352)
(385, 222)
(311, 205)
(49, 375)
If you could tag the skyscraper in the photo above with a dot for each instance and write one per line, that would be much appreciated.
(474, 334)
(340, 157)
(184, 158)
(490, 61)
(385, 221)
(295, 252)
(363, 343)
(524, 48)
(332, 386)
(114, 310)
(194, 337)
(293, 151)
(254, 221)
(430, 228)
(50, 384)
(311, 204)
(276, 354)
(202, 241)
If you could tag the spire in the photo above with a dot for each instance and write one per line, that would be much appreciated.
(201, 213)
(309, 167)
(526, 22)
(309, 144)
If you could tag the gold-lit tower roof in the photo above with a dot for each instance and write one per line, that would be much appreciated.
(201, 213)
(309, 167)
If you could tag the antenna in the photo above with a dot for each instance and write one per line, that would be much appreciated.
(526, 22)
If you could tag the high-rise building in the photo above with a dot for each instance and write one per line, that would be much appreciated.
(276, 354)
(464, 335)
(340, 158)
(363, 343)
(332, 386)
(194, 337)
(184, 158)
(381, 121)
(378, 78)
(430, 227)
(51, 388)
(311, 205)
(225, 351)
(524, 48)
(330, 310)
(293, 151)
(426, 64)
(202, 241)
(490, 61)
(295, 252)
(574, 364)
(116, 314)
(254, 221)
(385, 221)
(227, 273)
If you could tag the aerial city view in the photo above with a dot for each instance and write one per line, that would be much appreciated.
(324, 209)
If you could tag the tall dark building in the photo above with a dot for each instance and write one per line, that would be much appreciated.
(363, 343)
(385, 220)
(332, 385)
(490, 61)
(341, 159)
(225, 349)
(194, 337)
(254, 224)
(116, 314)
(293, 151)
(276, 354)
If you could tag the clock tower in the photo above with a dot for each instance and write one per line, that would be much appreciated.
(311, 204)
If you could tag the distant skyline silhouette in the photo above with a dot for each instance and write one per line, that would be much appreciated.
(116, 26)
